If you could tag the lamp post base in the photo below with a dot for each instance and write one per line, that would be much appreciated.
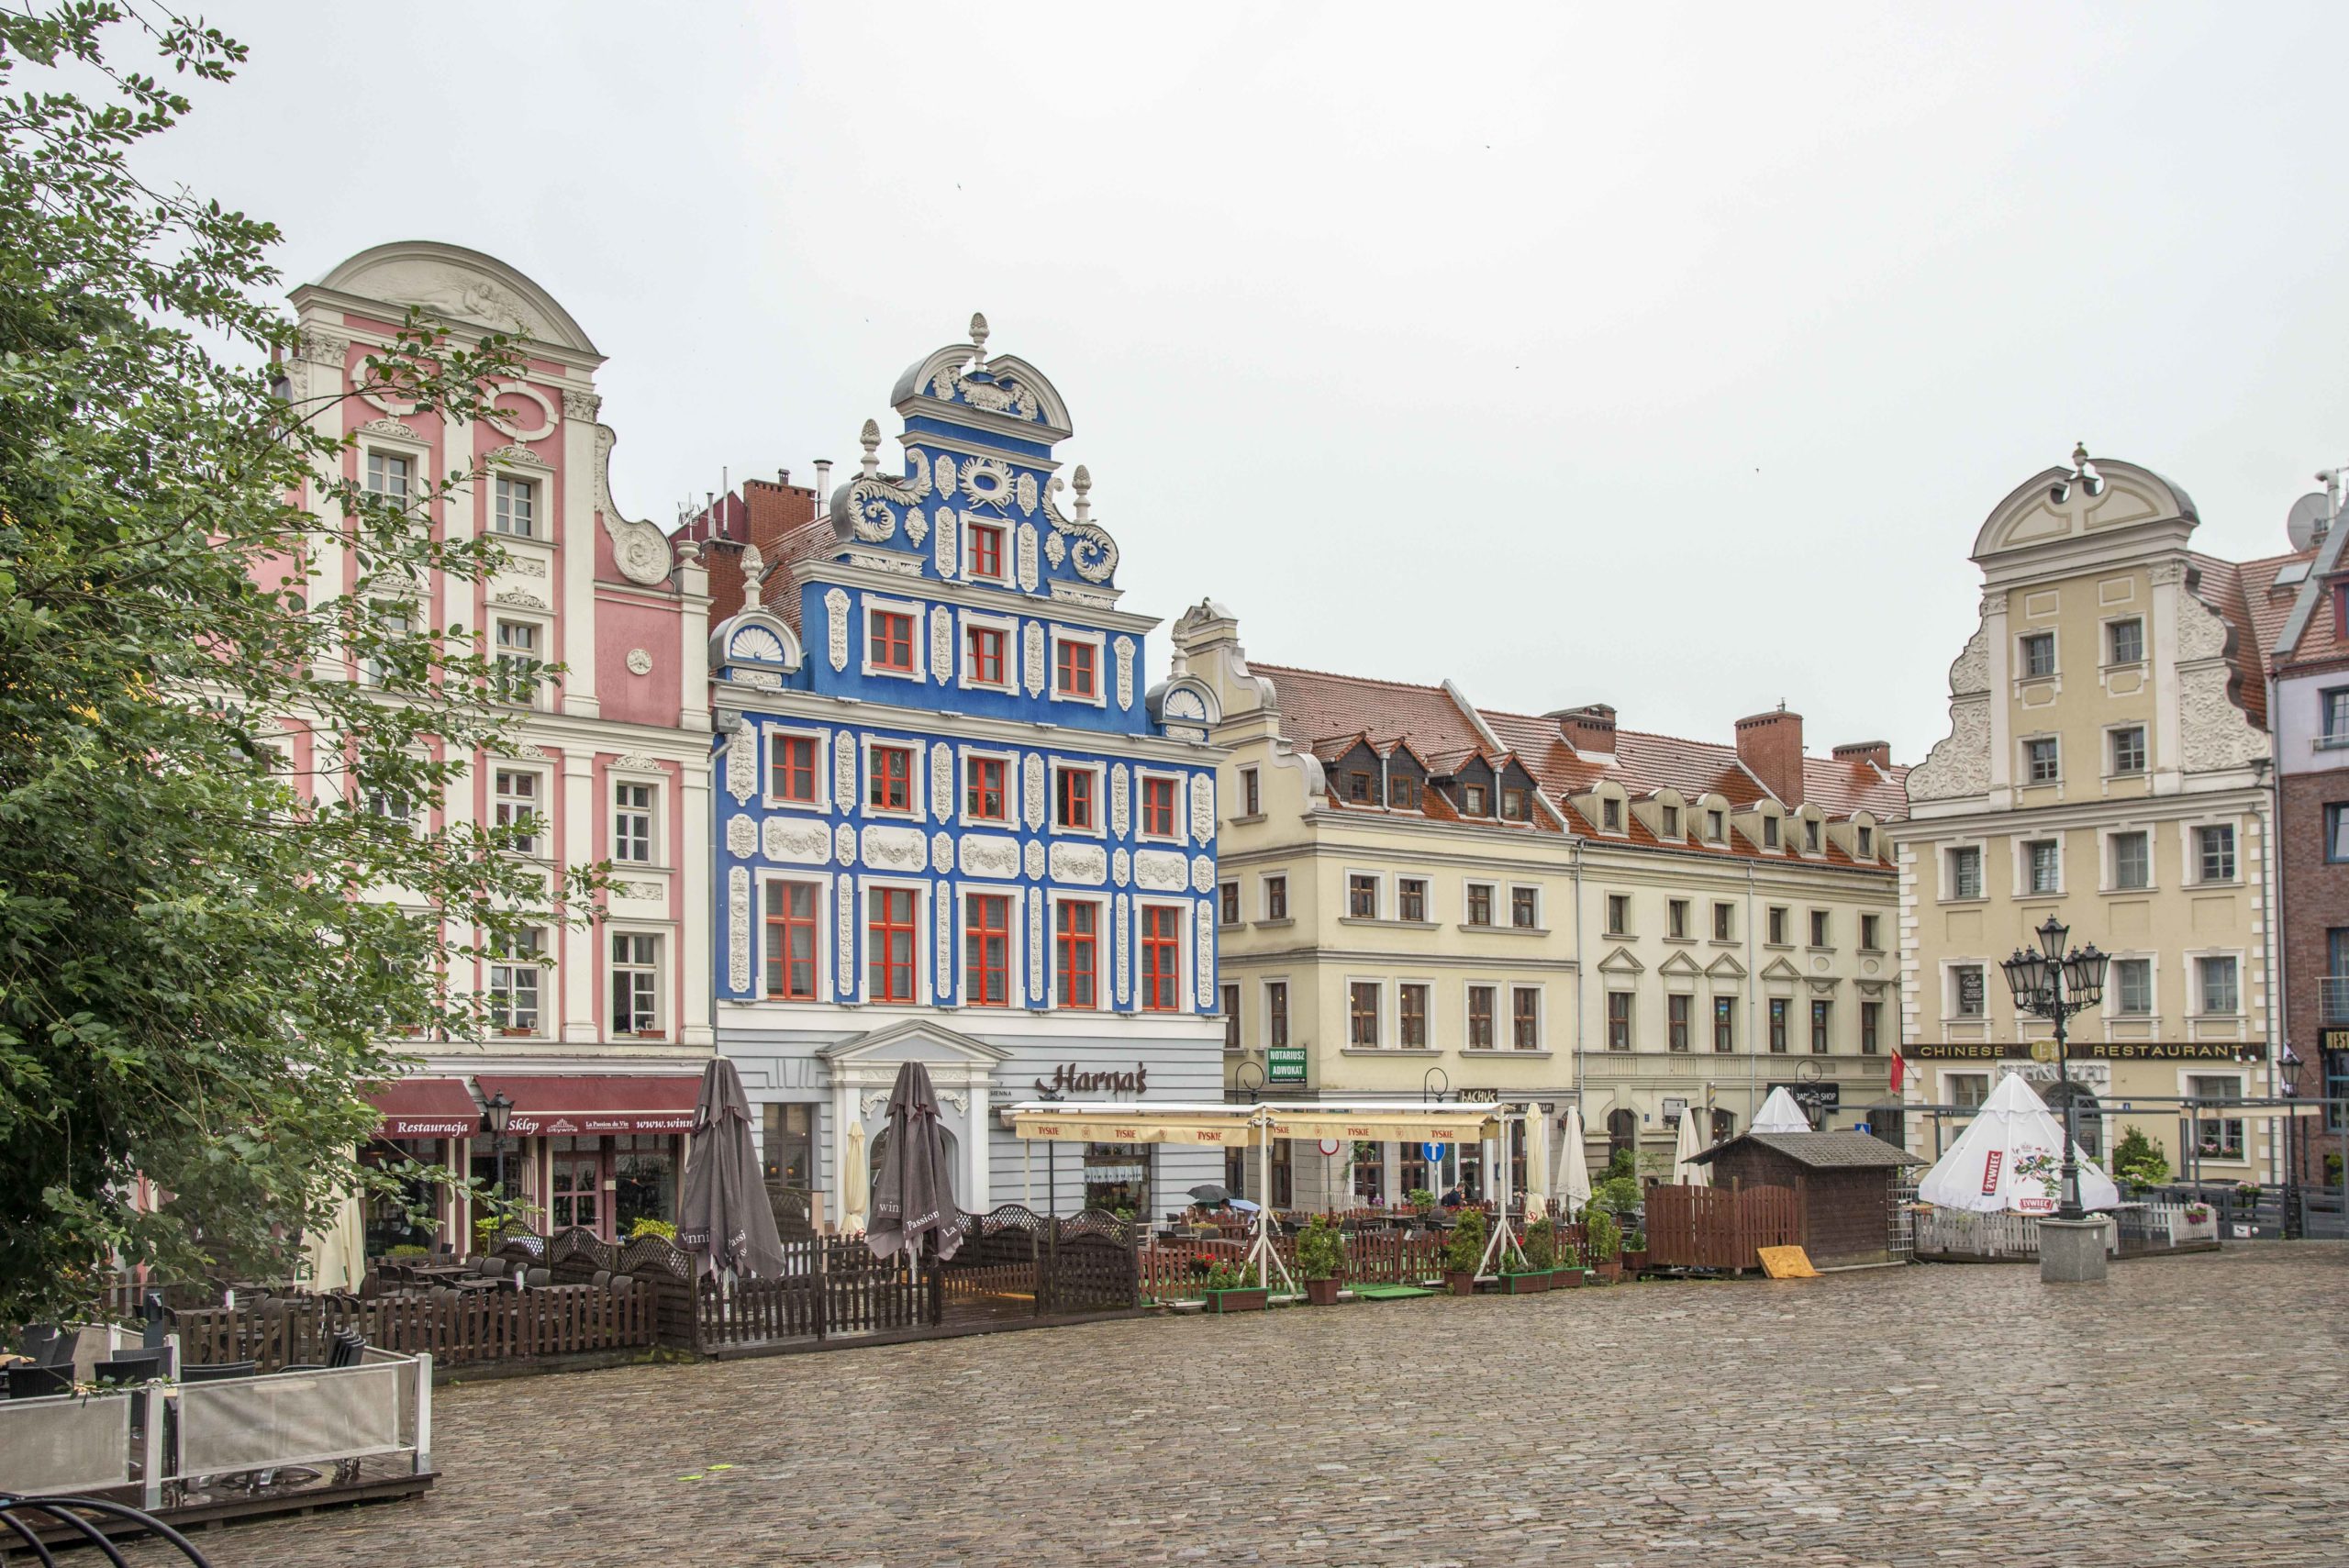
(2071, 1251)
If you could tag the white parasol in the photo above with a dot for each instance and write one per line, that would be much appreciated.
(1574, 1178)
(1779, 1113)
(2009, 1159)
(1690, 1144)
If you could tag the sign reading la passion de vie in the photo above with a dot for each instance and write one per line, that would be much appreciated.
(2091, 1050)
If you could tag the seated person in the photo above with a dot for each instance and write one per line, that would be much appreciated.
(1452, 1198)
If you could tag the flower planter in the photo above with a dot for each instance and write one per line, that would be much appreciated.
(1635, 1263)
(1321, 1292)
(1461, 1283)
(1251, 1300)
(1566, 1279)
(1608, 1271)
(1525, 1284)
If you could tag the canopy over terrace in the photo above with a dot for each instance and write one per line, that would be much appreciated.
(1218, 1125)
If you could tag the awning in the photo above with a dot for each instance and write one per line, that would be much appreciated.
(563, 1107)
(1240, 1126)
(426, 1108)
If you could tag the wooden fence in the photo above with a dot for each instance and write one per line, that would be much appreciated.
(1176, 1271)
(459, 1328)
(1715, 1228)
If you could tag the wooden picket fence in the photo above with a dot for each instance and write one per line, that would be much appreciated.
(1176, 1270)
(1716, 1228)
(459, 1329)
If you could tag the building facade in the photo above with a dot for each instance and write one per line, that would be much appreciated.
(2109, 763)
(1419, 896)
(602, 1028)
(952, 825)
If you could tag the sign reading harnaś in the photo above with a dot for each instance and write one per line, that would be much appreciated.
(2091, 1050)
(1284, 1065)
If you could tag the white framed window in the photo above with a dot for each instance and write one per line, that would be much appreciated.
(987, 550)
(635, 985)
(519, 646)
(2036, 655)
(1227, 904)
(1163, 955)
(636, 822)
(988, 780)
(1811, 835)
(895, 639)
(989, 647)
(2043, 760)
(1275, 891)
(1961, 872)
(1077, 673)
(2217, 1137)
(1769, 829)
(1619, 914)
(1365, 894)
(2039, 865)
(795, 927)
(514, 506)
(2128, 860)
(515, 974)
(1482, 1011)
(1276, 1011)
(2125, 748)
(893, 777)
(1414, 1002)
(2125, 641)
(2218, 985)
(1525, 908)
(1077, 947)
(990, 963)
(518, 799)
(2210, 852)
(391, 476)
(897, 941)
(396, 807)
(1077, 802)
(1477, 904)
(1716, 826)
(799, 770)
(1966, 1091)
(1525, 1017)
(1158, 808)
(1411, 899)
(1965, 991)
(2130, 992)
(395, 619)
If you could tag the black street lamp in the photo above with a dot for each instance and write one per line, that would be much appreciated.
(2055, 987)
(497, 1113)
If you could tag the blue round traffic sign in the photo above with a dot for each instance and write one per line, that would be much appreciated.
(1433, 1151)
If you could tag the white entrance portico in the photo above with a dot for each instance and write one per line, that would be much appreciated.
(862, 1069)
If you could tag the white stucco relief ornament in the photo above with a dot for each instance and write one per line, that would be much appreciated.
(742, 835)
(1124, 943)
(942, 953)
(1125, 650)
(1094, 553)
(1027, 558)
(989, 854)
(844, 906)
(844, 769)
(1161, 870)
(942, 647)
(1031, 856)
(867, 506)
(1202, 807)
(1120, 800)
(797, 841)
(1055, 550)
(941, 851)
(895, 849)
(1036, 942)
(844, 844)
(836, 626)
(1031, 658)
(942, 782)
(1078, 863)
(947, 559)
(1031, 791)
(737, 928)
(1025, 491)
(1121, 868)
(640, 549)
(1202, 874)
(1203, 930)
(639, 663)
(742, 765)
(942, 470)
(987, 481)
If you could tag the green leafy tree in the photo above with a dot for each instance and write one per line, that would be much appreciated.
(2136, 1162)
(198, 958)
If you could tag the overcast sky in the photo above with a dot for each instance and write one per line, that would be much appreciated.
(1662, 357)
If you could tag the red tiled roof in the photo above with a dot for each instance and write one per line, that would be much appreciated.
(1315, 704)
(2245, 594)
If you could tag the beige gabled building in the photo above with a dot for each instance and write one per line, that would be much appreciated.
(1419, 896)
(2108, 762)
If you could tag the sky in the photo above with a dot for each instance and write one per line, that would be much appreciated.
(1666, 357)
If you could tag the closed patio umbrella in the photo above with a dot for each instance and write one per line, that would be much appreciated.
(1691, 1143)
(1574, 1178)
(338, 1255)
(726, 1217)
(854, 1181)
(1537, 1162)
(913, 1192)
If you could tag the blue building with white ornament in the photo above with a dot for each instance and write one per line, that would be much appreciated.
(951, 826)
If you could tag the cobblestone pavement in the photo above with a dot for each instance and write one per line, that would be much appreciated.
(2191, 1411)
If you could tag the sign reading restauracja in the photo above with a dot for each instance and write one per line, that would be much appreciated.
(951, 826)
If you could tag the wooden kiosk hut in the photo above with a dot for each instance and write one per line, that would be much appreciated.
(1842, 1184)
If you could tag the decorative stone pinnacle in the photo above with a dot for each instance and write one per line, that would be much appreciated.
(871, 437)
(1082, 482)
(979, 334)
(2079, 454)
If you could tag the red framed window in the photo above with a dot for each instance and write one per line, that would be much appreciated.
(986, 951)
(1158, 808)
(983, 654)
(1074, 806)
(889, 640)
(891, 785)
(983, 788)
(1161, 957)
(1077, 944)
(987, 550)
(889, 939)
(791, 768)
(1075, 674)
(791, 940)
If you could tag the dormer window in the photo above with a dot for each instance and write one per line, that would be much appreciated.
(1672, 822)
(1358, 788)
(1472, 800)
(1403, 793)
(1513, 805)
(1716, 826)
(1769, 832)
(1811, 835)
(1867, 843)
(1610, 814)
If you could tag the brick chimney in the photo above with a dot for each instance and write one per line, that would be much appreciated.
(1770, 745)
(763, 513)
(1876, 751)
(1590, 728)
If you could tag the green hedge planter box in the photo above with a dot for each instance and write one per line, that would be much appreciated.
(1525, 1284)
(1252, 1300)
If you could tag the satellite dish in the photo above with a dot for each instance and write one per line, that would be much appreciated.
(2310, 517)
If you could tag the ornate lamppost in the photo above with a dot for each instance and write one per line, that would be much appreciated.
(497, 1113)
(2054, 980)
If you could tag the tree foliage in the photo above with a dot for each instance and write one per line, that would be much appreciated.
(201, 949)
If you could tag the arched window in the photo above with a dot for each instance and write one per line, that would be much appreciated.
(1724, 1125)
(1623, 1133)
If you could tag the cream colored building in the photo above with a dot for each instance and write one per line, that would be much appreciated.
(2109, 763)
(1419, 896)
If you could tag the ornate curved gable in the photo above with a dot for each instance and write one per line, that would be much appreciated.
(459, 285)
(2087, 499)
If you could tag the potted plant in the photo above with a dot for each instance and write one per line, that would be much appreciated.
(1322, 1258)
(1635, 1250)
(2198, 1213)
(1526, 1269)
(1568, 1274)
(2137, 1163)
(1464, 1251)
(1604, 1239)
(1231, 1288)
(1421, 1200)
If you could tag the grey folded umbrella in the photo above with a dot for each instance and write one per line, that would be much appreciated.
(726, 1217)
(1210, 1192)
(913, 1188)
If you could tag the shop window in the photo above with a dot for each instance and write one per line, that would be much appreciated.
(644, 1180)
